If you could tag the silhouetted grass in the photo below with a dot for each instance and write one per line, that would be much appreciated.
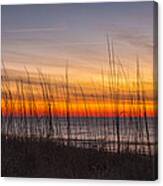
(44, 158)
(90, 131)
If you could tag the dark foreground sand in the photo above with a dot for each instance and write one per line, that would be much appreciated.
(46, 159)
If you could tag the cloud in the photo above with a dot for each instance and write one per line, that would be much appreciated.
(136, 37)
(21, 30)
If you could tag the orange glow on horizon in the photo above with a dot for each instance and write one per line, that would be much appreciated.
(89, 109)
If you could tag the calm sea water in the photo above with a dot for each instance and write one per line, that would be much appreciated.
(89, 132)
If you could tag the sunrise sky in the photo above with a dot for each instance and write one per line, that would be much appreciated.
(47, 37)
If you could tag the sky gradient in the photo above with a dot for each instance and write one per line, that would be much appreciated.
(48, 37)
